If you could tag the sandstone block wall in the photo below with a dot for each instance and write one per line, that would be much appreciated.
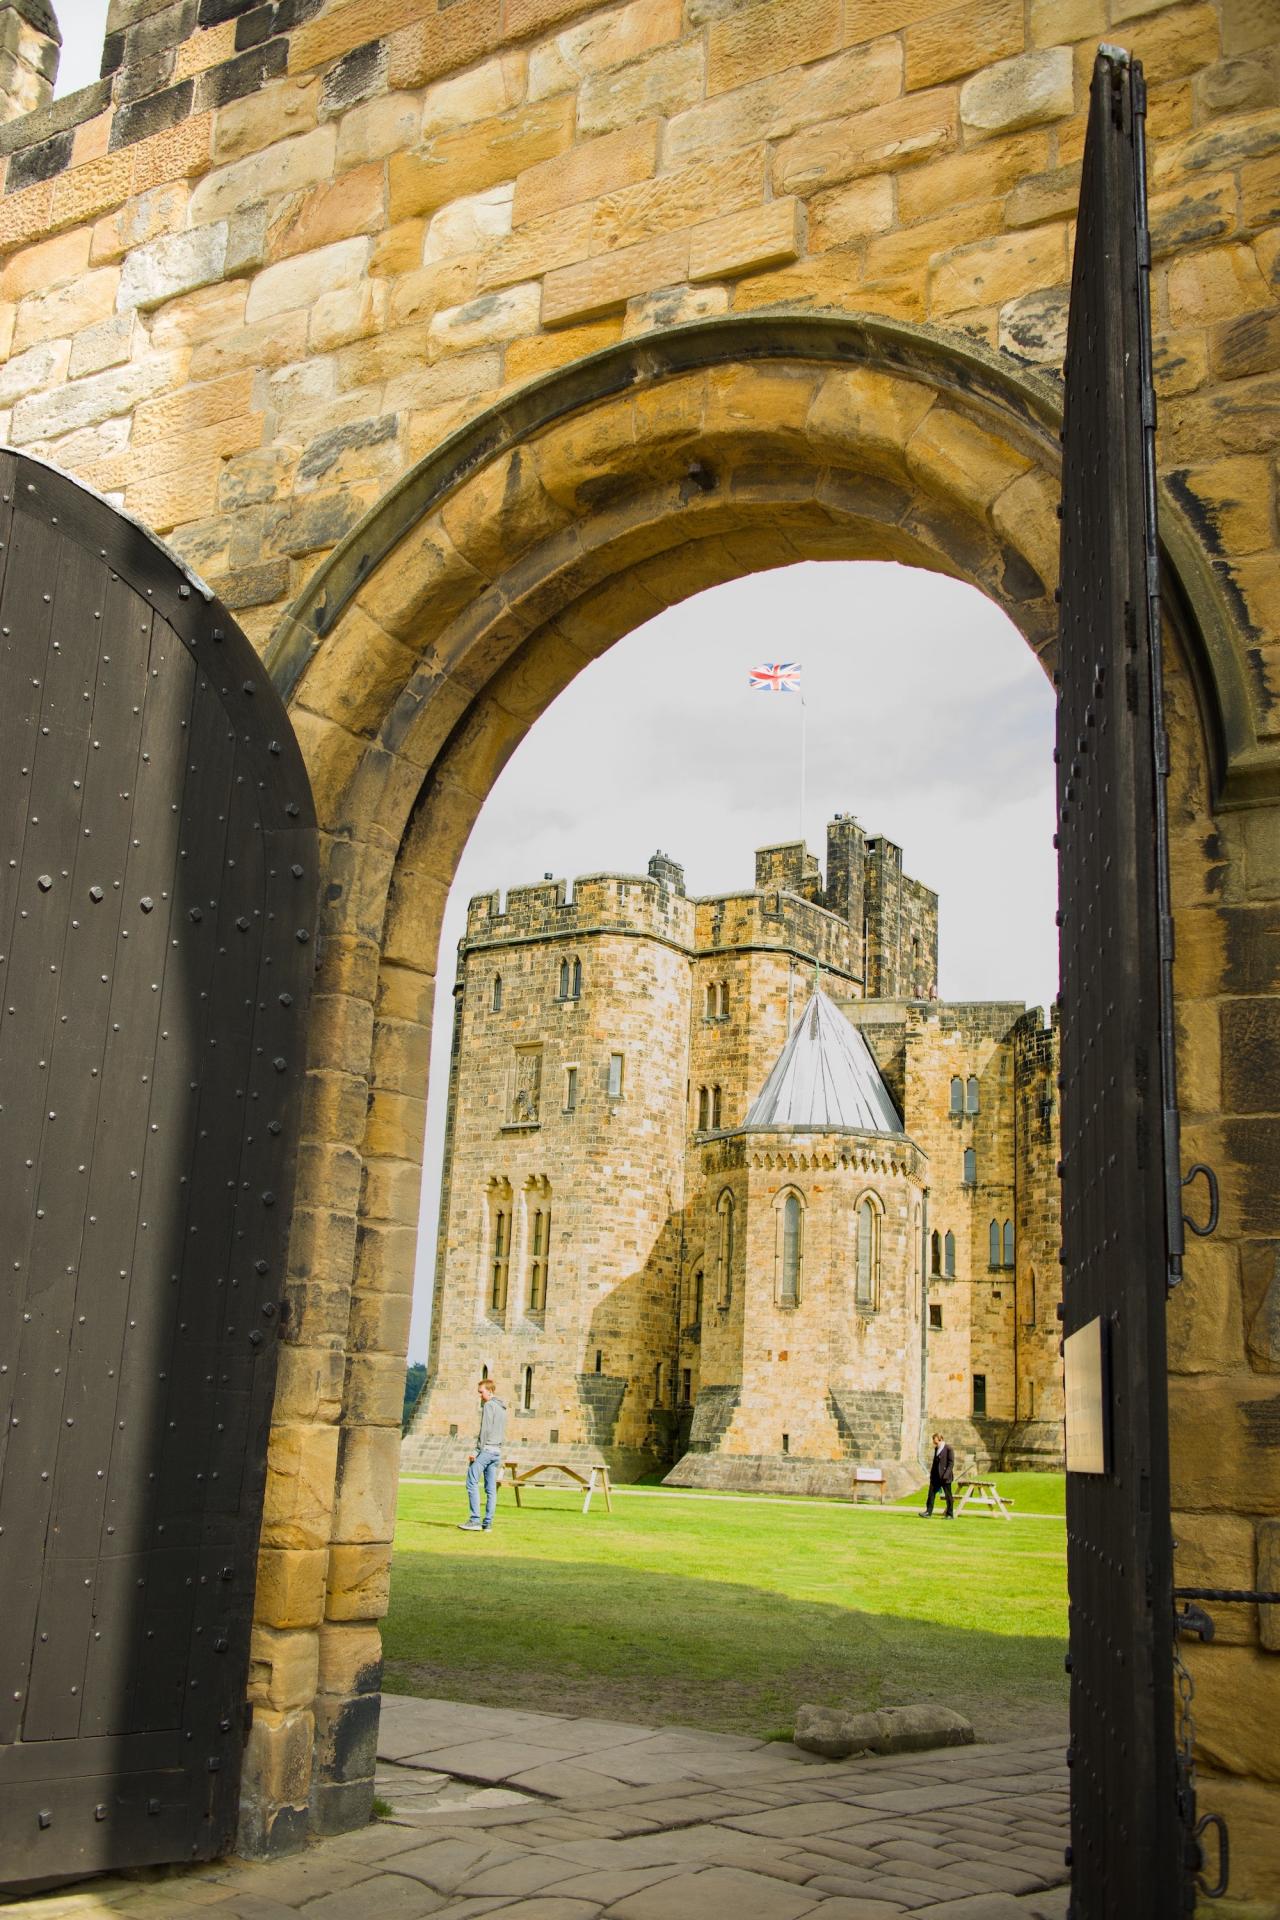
(278, 255)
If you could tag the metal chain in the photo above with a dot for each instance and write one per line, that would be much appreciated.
(1186, 1718)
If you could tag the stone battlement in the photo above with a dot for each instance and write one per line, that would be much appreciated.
(600, 903)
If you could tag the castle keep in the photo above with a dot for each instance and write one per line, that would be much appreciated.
(729, 1190)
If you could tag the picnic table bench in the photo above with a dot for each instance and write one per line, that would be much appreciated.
(596, 1475)
(983, 1493)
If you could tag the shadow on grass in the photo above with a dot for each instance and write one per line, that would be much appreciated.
(633, 1643)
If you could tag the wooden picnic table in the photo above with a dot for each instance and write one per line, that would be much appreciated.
(596, 1475)
(983, 1493)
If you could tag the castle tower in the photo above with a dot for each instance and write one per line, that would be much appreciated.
(812, 1338)
(649, 1093)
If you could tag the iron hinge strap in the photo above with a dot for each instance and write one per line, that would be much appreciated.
(1247, 1595)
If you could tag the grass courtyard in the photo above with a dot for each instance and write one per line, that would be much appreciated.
(727, 1612)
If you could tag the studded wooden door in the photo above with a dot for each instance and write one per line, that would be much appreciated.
(1121, 1235)
(157, 912)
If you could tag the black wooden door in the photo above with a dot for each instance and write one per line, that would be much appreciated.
(1119, 1121)
(157, 912)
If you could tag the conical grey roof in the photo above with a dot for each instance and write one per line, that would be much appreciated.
(825, 1076)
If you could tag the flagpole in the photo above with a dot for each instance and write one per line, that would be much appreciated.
(804, 729)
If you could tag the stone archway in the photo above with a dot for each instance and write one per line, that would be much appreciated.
(414, 663)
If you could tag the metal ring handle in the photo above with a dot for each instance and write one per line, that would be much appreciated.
(1216, 1891)
(1211, 1179)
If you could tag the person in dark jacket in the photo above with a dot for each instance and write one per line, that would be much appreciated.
(486, 1460)
(941, 1474)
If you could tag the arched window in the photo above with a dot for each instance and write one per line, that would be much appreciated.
(577, 979)
(970, 1167)
(1029, 1300)
(957, 1094)
(501, 1262)
(697, 1298)
(724, 1258)
(704, 1109)
(712, 995)
(971, 1095)
(659, 1382)
(539, 1252)
(993, 1244)
(724, 999)
(564, 979)
(497, 993)
(867, 1273)
(715, 1108)
(935, 1252)
(949, 1256)
(792, 1251)
(1008, 1244)
(526, 1390)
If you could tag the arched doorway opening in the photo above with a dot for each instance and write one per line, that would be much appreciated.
(420, 656)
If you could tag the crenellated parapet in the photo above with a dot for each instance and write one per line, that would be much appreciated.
(599, 903)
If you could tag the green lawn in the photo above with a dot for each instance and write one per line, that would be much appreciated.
(729, 1612)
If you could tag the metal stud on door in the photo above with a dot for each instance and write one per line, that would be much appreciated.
(157, 913)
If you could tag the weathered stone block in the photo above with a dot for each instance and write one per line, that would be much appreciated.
(369, 1464)
(66, 309)
(350, 1660)
(612, 39)
(738, 242)
(962, 39)
(289, 165)
(1205, 1330)
(1023, 92)
(51, 263)
(250, 126)
(586, 171)
(989, 272)
(901, 133)
(1237, 1701)
(1215, 285)
(762, 39)
(103, 396)
(836, 1733)
(477, 157)
(291, 1587)
(359, 1582)
(606, 283)
(781, 104)
(390, 1192)
(380, 1322)
(276, 1782)
(300, 282)
(283, 1668)
(347, 1738)
(480, 94)
(658, 85)
(505, 314)
(308, 1386)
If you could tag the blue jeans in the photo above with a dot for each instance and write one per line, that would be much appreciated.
(486, 1462)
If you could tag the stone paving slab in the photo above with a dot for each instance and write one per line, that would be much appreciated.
(547, 1817)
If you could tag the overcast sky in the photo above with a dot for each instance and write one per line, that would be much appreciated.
(84, 26)
(926, 717)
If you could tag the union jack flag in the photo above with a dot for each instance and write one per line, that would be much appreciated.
(776, 676)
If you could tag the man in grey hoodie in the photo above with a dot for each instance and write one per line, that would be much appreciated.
(486, 1459)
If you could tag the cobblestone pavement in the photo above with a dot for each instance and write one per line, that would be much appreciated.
(550, 1818)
